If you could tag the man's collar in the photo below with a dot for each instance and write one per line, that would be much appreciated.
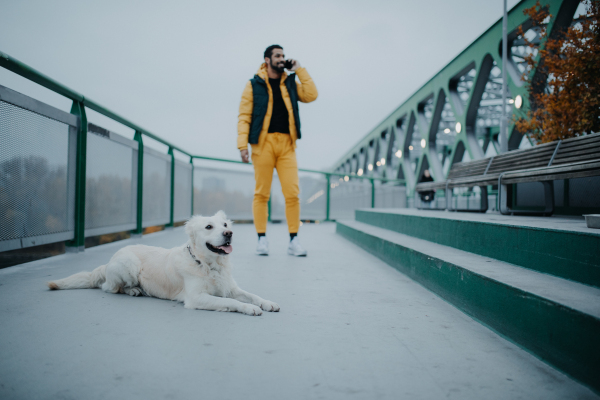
(262, 73)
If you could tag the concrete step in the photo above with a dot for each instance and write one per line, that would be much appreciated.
(563, 247)
(556, 319)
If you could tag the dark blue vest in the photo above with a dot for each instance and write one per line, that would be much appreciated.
(260, 95)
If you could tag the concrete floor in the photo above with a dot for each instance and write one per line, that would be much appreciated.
(350, 326)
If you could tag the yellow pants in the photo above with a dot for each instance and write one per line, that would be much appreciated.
(278, 152)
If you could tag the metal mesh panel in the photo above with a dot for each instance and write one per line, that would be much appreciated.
(345, 197)
(156, 209)
(461, 198)
(439, 201)
(464, 199)
(571, 196)
(111, 186)
(230, 191)
(36, 192)
(387, 196)
(313, 197)
(530, 194)
(584, 192)
(183, 191)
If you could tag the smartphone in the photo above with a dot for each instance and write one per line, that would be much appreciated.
(288, 64)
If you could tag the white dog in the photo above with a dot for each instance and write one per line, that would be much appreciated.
(197, 273)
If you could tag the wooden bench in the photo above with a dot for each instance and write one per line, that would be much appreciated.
(564, 159)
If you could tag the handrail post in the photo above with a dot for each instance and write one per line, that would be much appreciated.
(192, 164)
(172, 208)
(328, 176)
(137, 232)
(372, 192)
(78, 243)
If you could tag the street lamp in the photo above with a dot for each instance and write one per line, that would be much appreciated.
(504, 122)
(518, 101)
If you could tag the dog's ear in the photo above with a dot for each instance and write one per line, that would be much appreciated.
(221, 214)
(190, 227)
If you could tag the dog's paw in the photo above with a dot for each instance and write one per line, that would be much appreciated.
(135, 291)
(269, 306)
(250, 309)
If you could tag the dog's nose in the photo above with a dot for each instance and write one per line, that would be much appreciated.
(227, 234)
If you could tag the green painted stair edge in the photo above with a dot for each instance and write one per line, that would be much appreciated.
(563, 337)
(570, 255)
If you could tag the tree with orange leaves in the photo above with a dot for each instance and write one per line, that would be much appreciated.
(565, 91)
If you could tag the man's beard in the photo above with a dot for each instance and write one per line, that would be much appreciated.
(278, 67)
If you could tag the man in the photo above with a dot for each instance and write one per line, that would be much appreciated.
(427, 197)
(270, 122)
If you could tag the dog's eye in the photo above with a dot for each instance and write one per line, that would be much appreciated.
(208, 226)
(225, 225)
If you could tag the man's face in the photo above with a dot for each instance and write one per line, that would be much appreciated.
(277, 60)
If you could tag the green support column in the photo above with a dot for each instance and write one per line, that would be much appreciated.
(140, 184)
(172, 186)
(192, 163)
(372, 193)
(328, 176)
(78, 242)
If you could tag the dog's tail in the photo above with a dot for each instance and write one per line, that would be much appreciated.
(81, 280)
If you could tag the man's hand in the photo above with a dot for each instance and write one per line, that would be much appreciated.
(244, 154)
(295, 64)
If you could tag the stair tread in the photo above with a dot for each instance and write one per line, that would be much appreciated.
(574, 295)
(562, 223)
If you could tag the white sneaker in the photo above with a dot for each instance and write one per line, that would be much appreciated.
(295, 249)
(263, 246)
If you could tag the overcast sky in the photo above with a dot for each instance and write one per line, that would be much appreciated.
(178, 68)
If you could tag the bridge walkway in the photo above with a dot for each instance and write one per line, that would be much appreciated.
(350, 326)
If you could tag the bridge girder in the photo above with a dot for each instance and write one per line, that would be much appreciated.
(455, 116)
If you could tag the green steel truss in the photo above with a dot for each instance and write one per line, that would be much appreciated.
(456, 115)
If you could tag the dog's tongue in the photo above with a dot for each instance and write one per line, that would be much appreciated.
(227, 249)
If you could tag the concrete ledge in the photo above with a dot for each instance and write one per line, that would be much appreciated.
(560, 333)
(548, 245)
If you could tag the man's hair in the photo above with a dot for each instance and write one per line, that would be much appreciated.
(269, 50)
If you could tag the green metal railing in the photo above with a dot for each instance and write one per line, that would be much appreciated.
(469, 195)
(80, 103)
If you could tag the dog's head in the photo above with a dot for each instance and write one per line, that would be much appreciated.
(210, 234)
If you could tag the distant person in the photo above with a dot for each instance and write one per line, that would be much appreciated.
(270, 122)
(427, 197)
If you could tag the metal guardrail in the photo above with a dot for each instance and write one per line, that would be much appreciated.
(78, 109)
(467, 200)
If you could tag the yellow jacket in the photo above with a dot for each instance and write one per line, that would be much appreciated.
(307, 92)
